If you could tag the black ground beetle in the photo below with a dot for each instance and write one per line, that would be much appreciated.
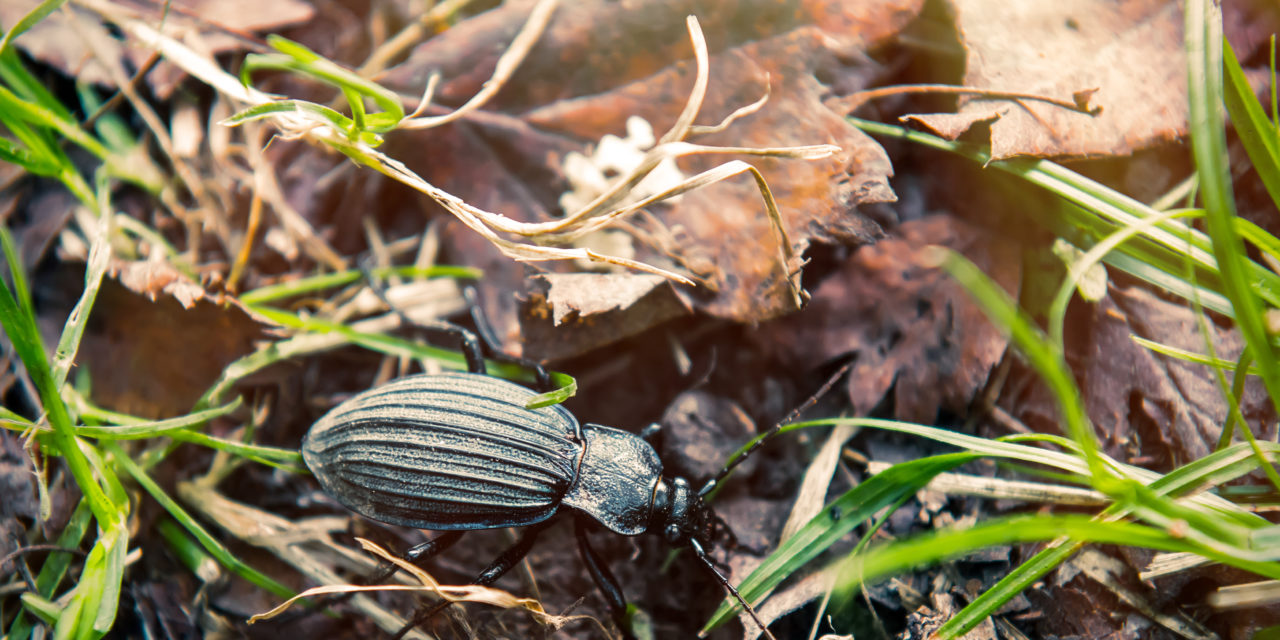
(454, 452)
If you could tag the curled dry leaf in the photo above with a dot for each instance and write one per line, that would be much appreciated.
(156, 277)
(719, 234)
(567, 314)
(908, 326)
(1128, 54)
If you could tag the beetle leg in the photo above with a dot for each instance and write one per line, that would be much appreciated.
(491, 573)
(469, 344)
(605, 582)
(419, 552)
(433, 546)
(494, 346)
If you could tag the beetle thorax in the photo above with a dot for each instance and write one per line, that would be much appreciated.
(679, 513)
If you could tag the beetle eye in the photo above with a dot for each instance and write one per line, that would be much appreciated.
(672, 532)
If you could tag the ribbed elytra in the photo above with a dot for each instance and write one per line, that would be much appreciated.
(446, 451)
(461, 451)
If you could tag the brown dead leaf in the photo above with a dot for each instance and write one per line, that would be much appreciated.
(593, 46)
(720, 232)
(1147, 408)
(568, 314)
(152, 278)
(616, 69)
(1073, 603)
(908, 326)
(155, 357)
(1130, 52)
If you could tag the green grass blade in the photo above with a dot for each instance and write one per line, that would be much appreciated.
(317, 66)
(1241, 375)
(566, 386)
(21, 288)
(23, 157)
(1189, 356)
(95, 269)
(287, 107)
(284, 459)
(1008, 587)
(898, 557)
(1044, 355)
(1151, 267)
(210, 543)
(36, 14)
(16, 107)
(187, 550)
(1258, 237)
(96, 598)
(55, 567)
(43, 608)
(140, 429)
(1209, 147)
(835, 521)
(302, 286)
(20, 325)
(15, 75)
(1058, 308)
(1214, 469)
(1256, 132)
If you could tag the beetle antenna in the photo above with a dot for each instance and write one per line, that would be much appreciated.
(738, 459)
(702, 555)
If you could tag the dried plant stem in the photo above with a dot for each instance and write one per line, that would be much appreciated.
(853, 101)
(495, 227)
(409, 36)
(507, 64)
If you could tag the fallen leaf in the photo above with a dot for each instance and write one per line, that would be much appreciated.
(1147, 408)
(594, 46)
(907, 325)
(155, 357)
(156, 277)
(1128, 54)
(719, 234)
(568, 314)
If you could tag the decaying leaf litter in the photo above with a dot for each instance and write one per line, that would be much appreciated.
(257, 205)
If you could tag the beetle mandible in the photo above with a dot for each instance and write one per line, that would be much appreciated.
(460, 451)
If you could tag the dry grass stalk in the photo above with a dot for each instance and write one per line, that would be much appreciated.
(495, 227)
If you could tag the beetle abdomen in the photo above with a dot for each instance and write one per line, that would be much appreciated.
(446, 451)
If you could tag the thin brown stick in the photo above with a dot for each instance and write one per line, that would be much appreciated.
(508, 62)
(853, 101)
(409, 36)
(246, 245)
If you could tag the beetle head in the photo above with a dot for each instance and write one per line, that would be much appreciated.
(681, 514)
(686, 520)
